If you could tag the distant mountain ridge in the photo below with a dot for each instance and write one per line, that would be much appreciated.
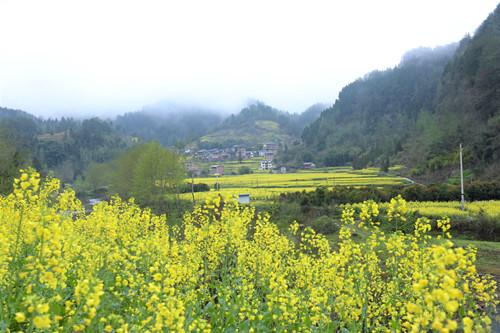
(6, 113)
(175, 125)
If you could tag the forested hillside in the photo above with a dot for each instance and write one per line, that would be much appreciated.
(374, 116)
(171, 125)
(259, 123)
(418, 112)
(63, 146)
(468, 109)
(75, 150)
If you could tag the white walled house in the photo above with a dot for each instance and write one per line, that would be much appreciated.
(266, 165)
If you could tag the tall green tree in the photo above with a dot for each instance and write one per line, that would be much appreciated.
(98, 175)
(158, 172)
(14, 155)
(124, 166)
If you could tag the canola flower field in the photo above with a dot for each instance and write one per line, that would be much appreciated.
(453, 209)
(263, 185)
(225, 269)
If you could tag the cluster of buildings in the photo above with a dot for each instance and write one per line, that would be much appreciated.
(268, 153)
(224, 154)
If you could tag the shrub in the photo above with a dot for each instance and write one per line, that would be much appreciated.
(198, 187)
(244, 170)
(479, 190)
(417, 192)
(325, 225)
(414, 172)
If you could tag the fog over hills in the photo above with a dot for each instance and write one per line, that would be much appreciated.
(104, 58)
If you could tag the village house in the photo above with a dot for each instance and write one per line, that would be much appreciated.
(215, 154)
(217, 169)
(201, 154)
(191, 166)
(268, 155)
(241, 153)
(309, 166)
(266, 165)
(270, 146)
(269, 150)
(281, 169)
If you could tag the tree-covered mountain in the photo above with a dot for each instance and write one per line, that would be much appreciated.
(418, 112)
(69, 147)
(170, 124)
(374, 115)
(63, 146)
(259, 123)
(310, 114)
(6, 113)
(468, 106)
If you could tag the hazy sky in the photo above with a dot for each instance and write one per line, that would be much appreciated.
(96, 57)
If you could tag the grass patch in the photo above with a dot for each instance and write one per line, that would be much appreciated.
(488, 255)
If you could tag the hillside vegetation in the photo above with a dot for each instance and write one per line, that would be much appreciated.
(418, 112)
(170, 124)
(374, 115)
(259, 123)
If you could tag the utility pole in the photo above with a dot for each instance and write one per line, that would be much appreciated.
(192, 186)
(462, 179)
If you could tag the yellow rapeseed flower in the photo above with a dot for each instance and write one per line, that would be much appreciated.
(42, 321)
(20, 317)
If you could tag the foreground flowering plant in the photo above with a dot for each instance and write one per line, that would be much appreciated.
(121, 269)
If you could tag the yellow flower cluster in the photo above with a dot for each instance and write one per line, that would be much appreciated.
(444, 225)
(225, 268)
(433, 209)
(422, 226)
(397, 209)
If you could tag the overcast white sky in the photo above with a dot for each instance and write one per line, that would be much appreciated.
(104, 57)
